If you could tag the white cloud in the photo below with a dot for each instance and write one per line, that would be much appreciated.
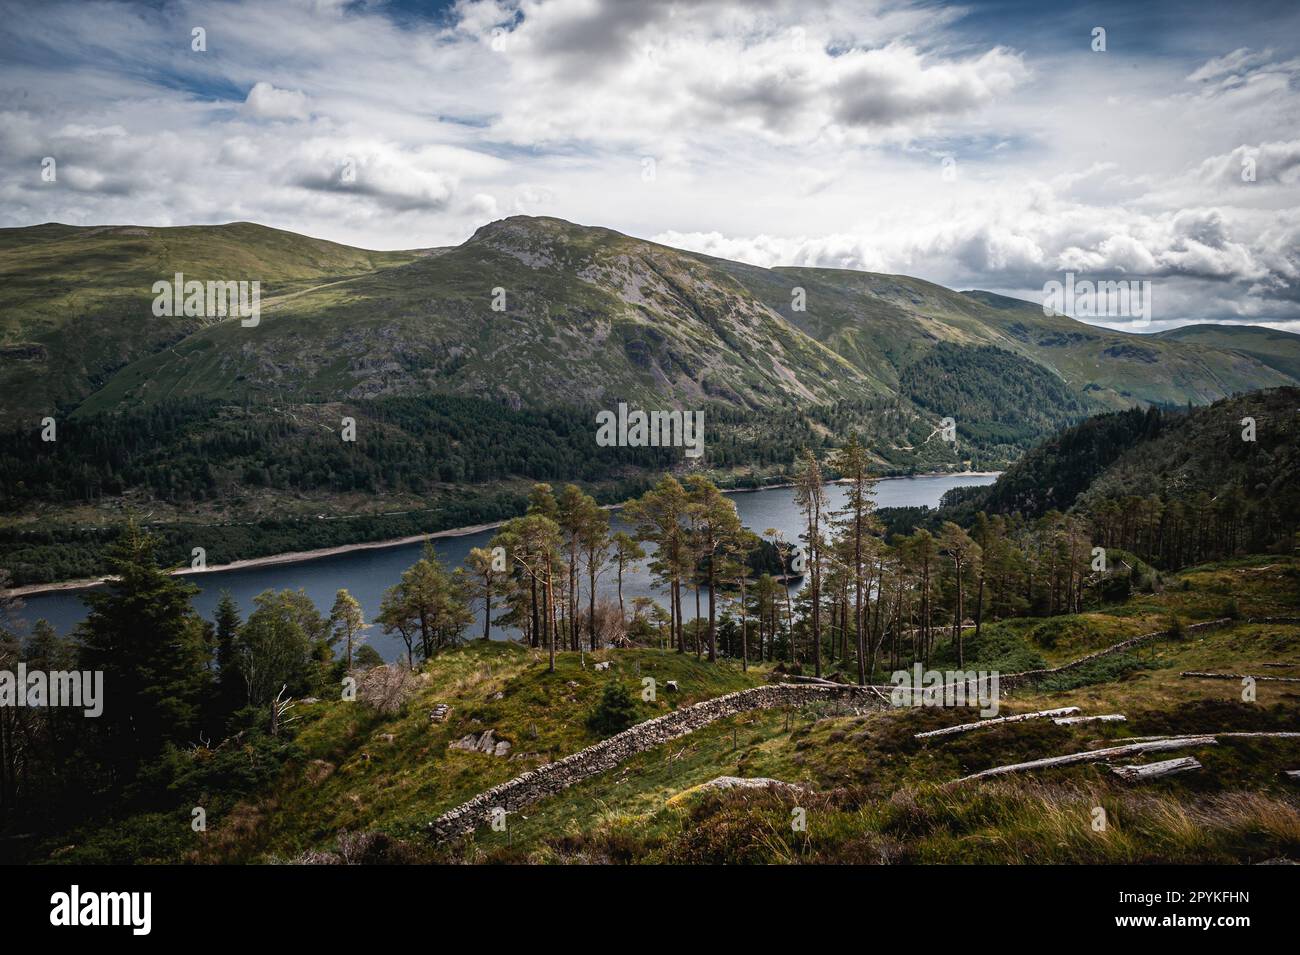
(266, 102)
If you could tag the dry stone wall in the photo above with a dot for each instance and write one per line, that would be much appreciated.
(547, 780)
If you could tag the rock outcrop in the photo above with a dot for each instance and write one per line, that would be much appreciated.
(485, 742)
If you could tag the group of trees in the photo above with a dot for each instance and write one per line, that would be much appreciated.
(169, 677)
(869, 597)
(540, 574)
(879, 592)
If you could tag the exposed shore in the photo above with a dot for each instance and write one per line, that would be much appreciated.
(300, 556)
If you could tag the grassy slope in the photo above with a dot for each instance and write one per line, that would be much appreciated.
(590, 315)
(1277, 349)
(76, 301)
(877, 794)
(353, 778)
(1118, 367)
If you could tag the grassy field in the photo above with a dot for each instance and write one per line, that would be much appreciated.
(877, 794)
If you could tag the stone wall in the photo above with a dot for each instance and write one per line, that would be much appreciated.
(547, 780)
(551, 778)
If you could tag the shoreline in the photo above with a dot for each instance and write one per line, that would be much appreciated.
(303, 556)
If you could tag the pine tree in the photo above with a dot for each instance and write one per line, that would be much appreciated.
(143, 634)
(348, 623)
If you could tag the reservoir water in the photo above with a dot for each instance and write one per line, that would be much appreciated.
(368, 573)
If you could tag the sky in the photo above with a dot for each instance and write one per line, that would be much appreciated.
(991, 145)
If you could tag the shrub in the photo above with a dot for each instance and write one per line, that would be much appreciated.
(386, 689)
(615, 712)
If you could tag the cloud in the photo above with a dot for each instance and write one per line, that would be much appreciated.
(1276, 163)
(662, 74)
(1237, 62)
(266, 102)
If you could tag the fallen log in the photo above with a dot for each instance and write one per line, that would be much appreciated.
(1232, 735)
(1094, 756)
(1105, 718)
(1239, 676)
(967, 727)
(1166, 767)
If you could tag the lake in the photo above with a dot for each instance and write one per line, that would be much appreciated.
(368, 573)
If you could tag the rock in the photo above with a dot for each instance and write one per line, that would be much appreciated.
(671, 686)
(758, 782)
(603, 666)
(498, 695)
(439, 713)
(318, 770)
(386, 737)
(486, 742)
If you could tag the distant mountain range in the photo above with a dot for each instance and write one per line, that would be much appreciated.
(589, 317)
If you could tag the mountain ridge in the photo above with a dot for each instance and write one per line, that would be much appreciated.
(589, 314)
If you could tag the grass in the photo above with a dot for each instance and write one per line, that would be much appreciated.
(876, 793)
(364, 772)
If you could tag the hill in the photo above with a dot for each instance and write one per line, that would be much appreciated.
(75, 302)
(1277, 349)
(1155, 451)
(1173, 486)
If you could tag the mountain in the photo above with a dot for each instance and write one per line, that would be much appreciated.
(1277, 349)
(589, 317)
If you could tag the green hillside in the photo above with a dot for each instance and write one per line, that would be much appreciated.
(75, 302)
(1277, 349)
(1177, 454)
(360, 786)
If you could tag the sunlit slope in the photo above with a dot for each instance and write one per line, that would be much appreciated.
(75, 302)
(581, 315)
(1272, 347)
